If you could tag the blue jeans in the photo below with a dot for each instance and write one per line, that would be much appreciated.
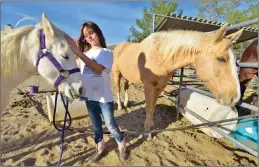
(95, 110)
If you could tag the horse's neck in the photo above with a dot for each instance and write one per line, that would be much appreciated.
(28, 53)
(8, 84)
(180, 51)
(179, 60)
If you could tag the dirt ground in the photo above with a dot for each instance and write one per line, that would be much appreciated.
(29, 139)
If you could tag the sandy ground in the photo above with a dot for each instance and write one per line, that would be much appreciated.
(29, 139)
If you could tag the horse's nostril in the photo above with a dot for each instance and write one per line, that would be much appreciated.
(80, 91)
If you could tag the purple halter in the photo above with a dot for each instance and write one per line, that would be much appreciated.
(63, 73)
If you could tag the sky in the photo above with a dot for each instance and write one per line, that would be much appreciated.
(113, 17)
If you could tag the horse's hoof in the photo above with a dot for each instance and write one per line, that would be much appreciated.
(124, 111)
(125, 105)
(149, 137)
(140, 136)
(128, 109)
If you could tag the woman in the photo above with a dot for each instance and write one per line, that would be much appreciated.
(95, 65)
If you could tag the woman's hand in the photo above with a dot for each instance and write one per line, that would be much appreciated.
(72, 45)
(88, 62)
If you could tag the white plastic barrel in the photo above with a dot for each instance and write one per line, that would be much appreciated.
(77, 109)
(209, 109)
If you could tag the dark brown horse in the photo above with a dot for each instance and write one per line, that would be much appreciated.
(246, 74)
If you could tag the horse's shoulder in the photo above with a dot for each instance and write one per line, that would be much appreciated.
(124, 44)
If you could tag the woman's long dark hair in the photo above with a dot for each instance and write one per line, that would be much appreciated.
(83, 44)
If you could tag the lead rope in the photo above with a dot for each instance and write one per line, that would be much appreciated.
(64, 125)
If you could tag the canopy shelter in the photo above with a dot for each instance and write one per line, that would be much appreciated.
(174, 21)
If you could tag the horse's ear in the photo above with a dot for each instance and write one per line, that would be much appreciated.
(221, 33)
(49, 28)
(235, 36)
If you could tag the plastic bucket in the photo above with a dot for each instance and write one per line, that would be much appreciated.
(33, 89)
(77, 109)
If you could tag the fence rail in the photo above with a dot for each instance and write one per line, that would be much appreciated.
(248, 64)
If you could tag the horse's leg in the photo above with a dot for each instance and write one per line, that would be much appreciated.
(116, 78)
(149, 96)
(126, 86)
(157, 93)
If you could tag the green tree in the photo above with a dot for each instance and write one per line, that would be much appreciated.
(232, 12)
(215, 10)
(145, 24)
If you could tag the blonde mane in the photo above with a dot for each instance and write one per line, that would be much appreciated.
(12, 51)
(168, 43)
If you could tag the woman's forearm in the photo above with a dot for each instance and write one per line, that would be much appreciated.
(90, 63)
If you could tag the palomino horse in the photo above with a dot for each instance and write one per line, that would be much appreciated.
(152, 62)
(246, 74)
(30, 49)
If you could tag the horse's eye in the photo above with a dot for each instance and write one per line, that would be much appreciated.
(64, 56)
(221, 59)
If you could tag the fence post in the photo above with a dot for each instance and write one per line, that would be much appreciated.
(154, 21)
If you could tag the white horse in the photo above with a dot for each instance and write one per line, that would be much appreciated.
(30, 49)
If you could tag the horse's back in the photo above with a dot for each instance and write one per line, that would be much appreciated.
(246, 74)
(124, 49)
(250, 54)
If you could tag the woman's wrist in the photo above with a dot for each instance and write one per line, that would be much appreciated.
(78, 52)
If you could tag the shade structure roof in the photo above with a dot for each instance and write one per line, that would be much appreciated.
(175, 21)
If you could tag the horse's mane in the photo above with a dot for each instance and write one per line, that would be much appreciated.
(11, 50)
(170, 42)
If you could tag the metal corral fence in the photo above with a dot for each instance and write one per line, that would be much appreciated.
(244, 105)
(189, 72)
